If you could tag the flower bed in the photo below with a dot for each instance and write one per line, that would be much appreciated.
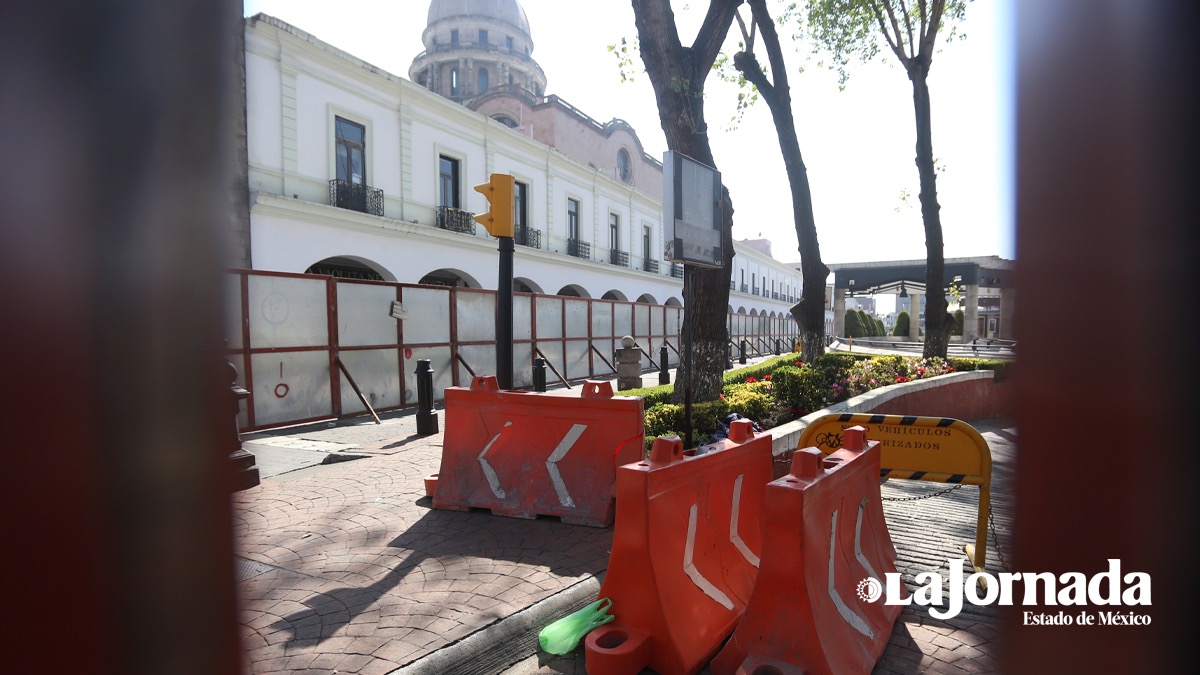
(785, 388)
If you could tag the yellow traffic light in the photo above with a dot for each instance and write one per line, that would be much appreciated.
(499, 193)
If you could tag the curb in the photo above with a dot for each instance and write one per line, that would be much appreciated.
(507, 641)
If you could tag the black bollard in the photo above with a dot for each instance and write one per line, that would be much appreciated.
(776, 346)
(243, 462)
(539, 374)
(427, 422)
(664, 376)
(742, 353)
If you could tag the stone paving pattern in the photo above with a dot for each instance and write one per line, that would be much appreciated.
(363, 576)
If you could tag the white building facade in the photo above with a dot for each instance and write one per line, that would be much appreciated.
(357, 172)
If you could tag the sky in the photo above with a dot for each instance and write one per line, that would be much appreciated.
(858, 144)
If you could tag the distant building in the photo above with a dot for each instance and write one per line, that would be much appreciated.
(357, 172)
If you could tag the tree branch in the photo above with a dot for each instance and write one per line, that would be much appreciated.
(912, 42)
(895, 44)
(747, 35)
(935, 22)
(762, 19)
(712, 33)
(924, 6)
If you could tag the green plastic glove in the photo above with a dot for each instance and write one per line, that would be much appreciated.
(564, 635)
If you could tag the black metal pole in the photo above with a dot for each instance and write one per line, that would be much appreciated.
(427, 422)
(742, 352)
(687, 336)
(504, 315)
(539, 374)
(664, 376)
(776, 346)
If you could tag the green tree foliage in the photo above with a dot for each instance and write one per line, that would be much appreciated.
(958, 321)
(854, 327)
(901, 328)
(908, 29)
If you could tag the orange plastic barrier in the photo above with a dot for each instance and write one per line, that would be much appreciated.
(825, 538)
(685, 554)
(524, 454)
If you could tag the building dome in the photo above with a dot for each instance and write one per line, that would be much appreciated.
(477, 47)
(505, 11)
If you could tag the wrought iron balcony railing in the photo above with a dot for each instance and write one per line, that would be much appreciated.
(650, 266)
(455, 220)
(579, 249)
(774, 295)
(755, 290)
(744, 288)
(677, 270)
(527, 236)
(620, 258)
(733, 285)
(356, 197)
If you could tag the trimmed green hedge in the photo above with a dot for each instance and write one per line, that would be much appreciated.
(1001, 367)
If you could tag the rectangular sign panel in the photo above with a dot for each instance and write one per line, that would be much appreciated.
(691, 211)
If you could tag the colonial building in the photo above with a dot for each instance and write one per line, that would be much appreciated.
(357, 172)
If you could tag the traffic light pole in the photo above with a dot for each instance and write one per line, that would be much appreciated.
(499, 191)
(504, 315)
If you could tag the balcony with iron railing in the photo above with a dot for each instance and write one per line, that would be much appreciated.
(356, 197)
(527, 236)
(455, 220)
(774, 295)
(733, 285)
(619, 258)
(744, 288)
(677, 270)
(755, 291)
(579, 249)
(649, 265)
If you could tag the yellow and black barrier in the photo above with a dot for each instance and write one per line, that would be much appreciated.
(936, 449)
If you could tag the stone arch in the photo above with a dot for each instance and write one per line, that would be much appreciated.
(526, 285)
(447, 276)
(647, 298)
(673, 302)
(614, 294)
(351, 267)
(573, 291)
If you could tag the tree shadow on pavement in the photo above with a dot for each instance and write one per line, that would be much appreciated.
(481, 560)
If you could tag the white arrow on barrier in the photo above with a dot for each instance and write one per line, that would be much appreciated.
(858, 553)
(694, 574)
(564, 446)
(733, 524)
(848, 614)
(490, 473)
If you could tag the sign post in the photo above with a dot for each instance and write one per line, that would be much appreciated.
(692, 219)
(499, 223)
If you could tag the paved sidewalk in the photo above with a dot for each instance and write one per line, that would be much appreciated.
(344, 567)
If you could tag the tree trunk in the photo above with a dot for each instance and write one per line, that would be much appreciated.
(677, 74)
(936, 329)
(809, 313)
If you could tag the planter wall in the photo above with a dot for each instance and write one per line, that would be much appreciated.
(965, 396)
